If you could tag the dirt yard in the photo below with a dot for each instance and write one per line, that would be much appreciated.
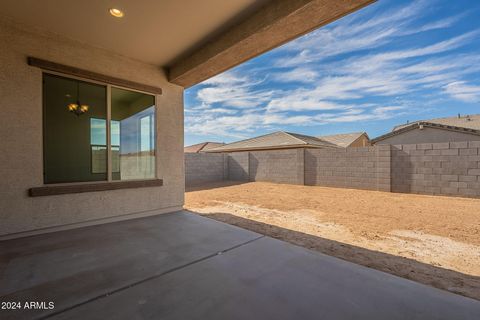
(430, 239)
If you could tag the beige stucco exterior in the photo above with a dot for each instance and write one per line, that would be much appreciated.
(361, 141)
(21, 150)
(428, 135)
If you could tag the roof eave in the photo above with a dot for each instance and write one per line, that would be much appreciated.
(425, 124)
(270, 148)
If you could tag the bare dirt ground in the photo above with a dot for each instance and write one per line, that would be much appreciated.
(430, 239)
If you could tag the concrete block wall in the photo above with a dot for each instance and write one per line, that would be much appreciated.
(238, 166)
(357, 168)
(205, 167)
(450, 168)
(282, 166)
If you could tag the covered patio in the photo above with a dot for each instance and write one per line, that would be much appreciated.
(182, 266)
(92, 177)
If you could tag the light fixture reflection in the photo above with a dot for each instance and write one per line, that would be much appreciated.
(77, 108)
(117, 13)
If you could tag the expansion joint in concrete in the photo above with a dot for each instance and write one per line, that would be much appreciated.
(156, 276)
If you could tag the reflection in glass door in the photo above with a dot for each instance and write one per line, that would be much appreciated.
(75, 147)
(132, 135)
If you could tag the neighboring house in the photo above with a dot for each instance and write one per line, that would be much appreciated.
(459, 128)
(283, 140)
(202, 147)
(348, 140)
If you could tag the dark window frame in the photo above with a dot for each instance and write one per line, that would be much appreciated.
(83, 186)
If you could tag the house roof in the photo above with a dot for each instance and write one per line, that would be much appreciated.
(275, 140)
(467, 121)
(344, 139)
(202, 147)
(464, 124)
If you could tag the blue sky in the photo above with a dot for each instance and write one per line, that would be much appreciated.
(390, 62)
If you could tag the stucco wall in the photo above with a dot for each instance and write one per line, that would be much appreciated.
(21, 132)
(429, 135)
(362, 141)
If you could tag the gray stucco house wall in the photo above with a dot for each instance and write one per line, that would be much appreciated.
(21, 150)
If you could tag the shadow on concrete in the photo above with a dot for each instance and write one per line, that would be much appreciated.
(453, 281)
(213, 185)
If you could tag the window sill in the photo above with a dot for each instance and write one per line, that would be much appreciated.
(92, 187)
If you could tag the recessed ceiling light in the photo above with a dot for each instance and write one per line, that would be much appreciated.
(117, 13)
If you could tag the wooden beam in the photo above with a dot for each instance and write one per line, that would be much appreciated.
(278, 22)
(92, 187)
(69, 70)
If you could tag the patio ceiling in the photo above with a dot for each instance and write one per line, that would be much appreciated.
(151, 31)
(193, 40)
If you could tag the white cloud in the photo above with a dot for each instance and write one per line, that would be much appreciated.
(279, 119)
(301, 74)
(302, 100)
(229, 89)
(355, 33)
(326, 76)
(462, 91)
(378, 113)
(225, 78)
(439, 24)
(436, 48)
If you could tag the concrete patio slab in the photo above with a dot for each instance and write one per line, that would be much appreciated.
(74, 266)
(254, 277)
